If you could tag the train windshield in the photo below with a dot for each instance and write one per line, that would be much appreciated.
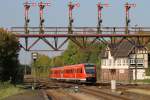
(90, 69)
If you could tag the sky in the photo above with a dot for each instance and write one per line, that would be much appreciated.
(12, 15)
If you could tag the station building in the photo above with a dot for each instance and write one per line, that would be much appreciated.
(124, 62)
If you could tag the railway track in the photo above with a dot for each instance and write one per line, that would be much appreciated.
(83, 89)
(56, 90)
(103, 94)
(60, 95)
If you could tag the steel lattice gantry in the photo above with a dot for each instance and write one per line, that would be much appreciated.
(84, 37)
(81, 36)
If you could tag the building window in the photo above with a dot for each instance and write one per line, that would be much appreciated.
(119, 62)
(132, 61)
(109, 62)
(139, 61)
(127, 61)
(113, 62)
(104, 62)
(123, 62)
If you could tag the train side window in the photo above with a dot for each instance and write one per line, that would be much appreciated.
(62, 71)
(74, 70)
(66, 71)
(78, 70)
(70, 70)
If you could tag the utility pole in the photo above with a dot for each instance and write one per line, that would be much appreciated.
(71, 20)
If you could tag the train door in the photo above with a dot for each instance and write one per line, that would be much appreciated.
(75, 73)
(61, 74)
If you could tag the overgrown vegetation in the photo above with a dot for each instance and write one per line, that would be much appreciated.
(76, 55)
(147, 72)
(7, 89)
(9, 49)
(41, 66)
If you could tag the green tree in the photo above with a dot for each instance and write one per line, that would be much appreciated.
(41, 66)
(9, 49)
(57, 61)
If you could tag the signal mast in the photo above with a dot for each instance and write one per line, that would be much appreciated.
(42, 6)
(127, 9)
(71, 7)
(100, 7)
(27, 6)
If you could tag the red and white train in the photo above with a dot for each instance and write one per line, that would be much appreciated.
(79, 72)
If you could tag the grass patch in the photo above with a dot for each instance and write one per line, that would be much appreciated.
(144, 81)
(7, 89)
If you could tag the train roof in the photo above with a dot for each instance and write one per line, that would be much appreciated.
(86, 64)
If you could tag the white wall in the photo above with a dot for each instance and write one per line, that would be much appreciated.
(111, 63)
(140, 74)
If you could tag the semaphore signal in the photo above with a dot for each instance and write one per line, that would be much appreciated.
(27, 6)
(100, 6)
(127, 9)
(41, 7)
(71, 7)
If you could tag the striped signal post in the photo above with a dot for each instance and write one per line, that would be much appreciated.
(34, 57)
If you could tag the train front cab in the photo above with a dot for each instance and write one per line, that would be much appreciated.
(90, 70)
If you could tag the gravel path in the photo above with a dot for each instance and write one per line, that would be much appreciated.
(28, 95)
